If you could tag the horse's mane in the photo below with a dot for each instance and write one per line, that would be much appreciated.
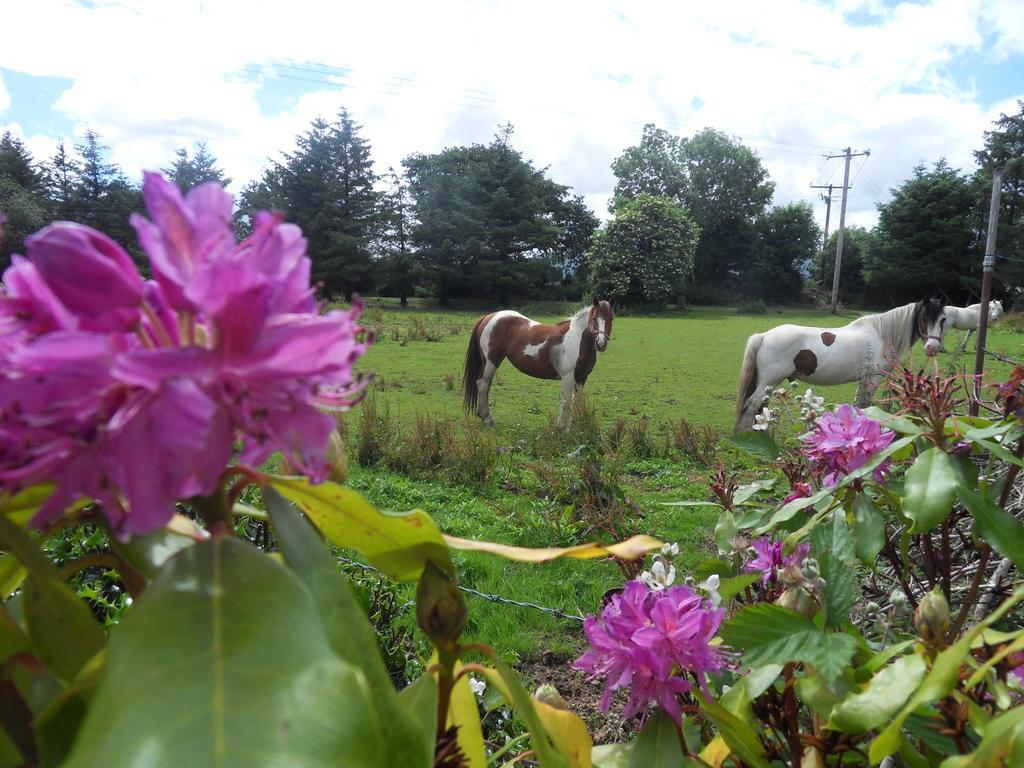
(896, 327)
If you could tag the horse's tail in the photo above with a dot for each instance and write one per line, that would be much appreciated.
(473, 368)
(748, 376)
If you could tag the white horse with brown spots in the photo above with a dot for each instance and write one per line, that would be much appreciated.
(862, 350)
(566, 350)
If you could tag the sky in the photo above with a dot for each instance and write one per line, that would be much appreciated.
(795, 80)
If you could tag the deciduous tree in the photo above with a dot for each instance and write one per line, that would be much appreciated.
(644, 256)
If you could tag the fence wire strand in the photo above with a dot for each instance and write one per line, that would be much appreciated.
(558, 613)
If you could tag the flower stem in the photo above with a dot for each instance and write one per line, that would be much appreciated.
(215, 511)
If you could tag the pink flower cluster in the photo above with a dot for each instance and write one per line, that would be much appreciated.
(844, 440)
(647, 640)
(133, 392)
(769, 561)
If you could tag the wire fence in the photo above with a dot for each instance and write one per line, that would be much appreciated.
(556, 612)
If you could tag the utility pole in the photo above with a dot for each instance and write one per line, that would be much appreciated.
(987, 267)
(849, 155)
(827, 200)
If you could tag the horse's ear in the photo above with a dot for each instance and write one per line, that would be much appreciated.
(597, 301)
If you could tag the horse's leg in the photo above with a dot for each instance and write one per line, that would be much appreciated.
(967, 338)
(755, 401)
(483, 389)
(569, 388)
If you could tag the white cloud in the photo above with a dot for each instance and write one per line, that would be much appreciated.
(5, 97)
(795, 79)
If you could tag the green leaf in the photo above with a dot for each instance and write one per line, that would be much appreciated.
(833, 547)
(758, 443)
(657, 744)
(64, 633)
(146, 553)
(996, 526)
(397, 544)
(868, 529)
(349, 631)
(940, 680)
(505, 677)
(788, 511)
(22, 506)
(896, 423)
(886, 692)
(929, 490)
(771, 634)
(741, 738)
(225, 662)
(725, 532)
(12, 573)
(1001, 744)
(745, 492)
(731, 586)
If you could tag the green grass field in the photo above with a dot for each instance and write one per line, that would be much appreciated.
(658, 368)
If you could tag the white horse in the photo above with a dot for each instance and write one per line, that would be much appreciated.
(969, 318)
(862, 350)
(566, 350)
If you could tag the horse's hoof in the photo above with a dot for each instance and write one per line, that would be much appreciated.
(488, 422)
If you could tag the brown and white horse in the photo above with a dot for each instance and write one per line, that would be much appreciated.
(566, 350)
(862, 350)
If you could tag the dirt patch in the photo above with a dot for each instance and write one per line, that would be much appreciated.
(582, 696)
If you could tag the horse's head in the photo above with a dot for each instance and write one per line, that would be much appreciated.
(995, 309)
(930, 324)
(599, 323)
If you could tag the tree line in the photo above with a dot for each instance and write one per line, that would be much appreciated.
(690, 220)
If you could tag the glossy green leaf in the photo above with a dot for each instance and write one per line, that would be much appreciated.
(929, 490)
(884, 695)
(397, 544)
(657, 744)
(868, 529)
(832, 544)
(747, 688)
(771, 634)
(348, 630)
(725, 532)
(741, 738)
(788, 511)
(1001, 744)
(419, 699)
(224, 662)
(731, 586)
(897, 423)
(758, 443)
(748, 491)
(22, 506)
(996, 526)
(505, 678)
(12, 574)
(147, 553)
(938, 682)
(64, 633)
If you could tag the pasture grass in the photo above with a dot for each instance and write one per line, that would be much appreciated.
(660, 379)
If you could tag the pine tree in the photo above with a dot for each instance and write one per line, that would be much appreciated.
(399, 268)
(101, 196)
(188, 172)
(23, 197)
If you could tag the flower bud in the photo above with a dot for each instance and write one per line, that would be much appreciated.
(899, 601)
(798, 599)
(440, 609)
(548, 694)
(932, 617)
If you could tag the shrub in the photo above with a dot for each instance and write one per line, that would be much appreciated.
(755, 307)
(697, 441)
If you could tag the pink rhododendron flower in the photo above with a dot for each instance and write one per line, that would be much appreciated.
(769, 561)
(138, 394)
(844, 440)
(647, 641)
